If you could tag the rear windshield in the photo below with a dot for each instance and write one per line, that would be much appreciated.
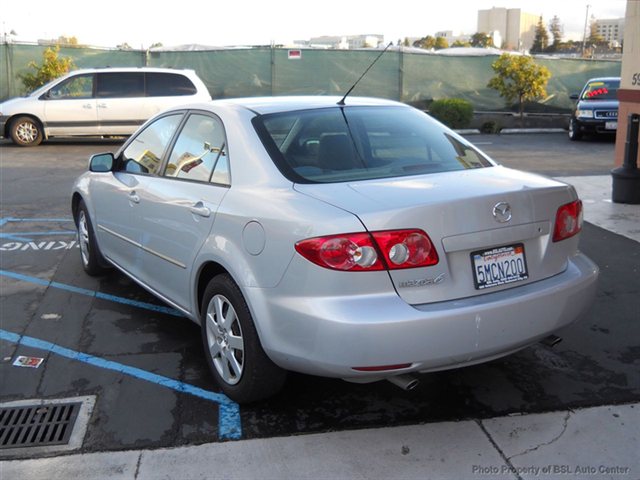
(601, 90)
(361, 143)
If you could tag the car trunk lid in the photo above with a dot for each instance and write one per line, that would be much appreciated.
(471, 217)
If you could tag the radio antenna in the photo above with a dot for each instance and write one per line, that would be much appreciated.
(341, 102)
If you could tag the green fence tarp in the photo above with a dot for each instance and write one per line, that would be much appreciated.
(409, 77)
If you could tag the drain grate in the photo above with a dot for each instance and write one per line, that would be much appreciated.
(37, 425)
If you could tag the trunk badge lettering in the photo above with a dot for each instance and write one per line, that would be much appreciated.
(423, 282)
(502, 212)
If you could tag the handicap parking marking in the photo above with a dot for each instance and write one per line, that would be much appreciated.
(229, 422)
(27, 245)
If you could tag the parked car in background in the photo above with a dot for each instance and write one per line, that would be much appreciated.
(103, 102)
(596, 110)
(356, 239)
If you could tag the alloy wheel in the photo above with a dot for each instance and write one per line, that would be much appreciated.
(224, 339)
(27, 132)
(83, 237)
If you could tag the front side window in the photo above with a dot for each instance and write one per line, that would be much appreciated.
(120, 85)
(362, 143)
(144, 152)
(199, 150)
(80, 86)
(168, 85)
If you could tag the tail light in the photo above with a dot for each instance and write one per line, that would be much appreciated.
(568, 221)
(392, 249)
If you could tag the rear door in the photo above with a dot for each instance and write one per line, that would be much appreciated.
(120, 102)
(70, 107)
(180, 206)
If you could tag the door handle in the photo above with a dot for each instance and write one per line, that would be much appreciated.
(200, 210)
(102, 105)
(87, 106)
(133, 197)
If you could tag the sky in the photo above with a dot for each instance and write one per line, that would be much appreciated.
(141, 23)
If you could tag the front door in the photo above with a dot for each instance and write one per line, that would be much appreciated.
(119, 203)
(70, 107)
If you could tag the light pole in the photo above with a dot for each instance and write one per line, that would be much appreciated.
(584, 32)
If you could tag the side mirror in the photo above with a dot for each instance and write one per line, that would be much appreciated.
(574, 96)
(101, 162)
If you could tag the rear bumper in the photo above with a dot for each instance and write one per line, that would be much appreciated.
(328, 336)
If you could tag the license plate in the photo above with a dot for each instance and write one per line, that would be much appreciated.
(611, 125)
(499, 266)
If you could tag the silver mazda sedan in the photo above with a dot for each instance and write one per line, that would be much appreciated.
(361, 241)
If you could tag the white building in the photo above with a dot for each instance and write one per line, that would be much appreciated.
(516, 28)
(611, 30)
(447, 35)
(345, 42)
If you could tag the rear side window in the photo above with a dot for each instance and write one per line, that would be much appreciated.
(120, 85)
(169, 85)
(199, 151)
(360, 143)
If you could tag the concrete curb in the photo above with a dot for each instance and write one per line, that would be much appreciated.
(554, 445)
(475, 131)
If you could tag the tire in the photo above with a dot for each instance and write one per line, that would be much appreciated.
(574, 131)
(92, 259)
(234, 354)
(26, 132)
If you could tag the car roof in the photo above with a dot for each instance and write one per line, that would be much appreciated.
(128, 69)
(266, 105)
(603, 79)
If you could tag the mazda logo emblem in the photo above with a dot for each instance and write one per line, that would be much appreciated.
(502, 212)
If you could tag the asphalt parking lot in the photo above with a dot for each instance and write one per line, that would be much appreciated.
(142, 362)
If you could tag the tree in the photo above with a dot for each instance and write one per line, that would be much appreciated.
(518, 77)
(441, 43)
(460, 43)
(481, 39)
(52, 67)
(68, 41)
(541, 38)
(555, 27)
(427, 42)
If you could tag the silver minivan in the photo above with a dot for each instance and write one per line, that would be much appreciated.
(102, 102)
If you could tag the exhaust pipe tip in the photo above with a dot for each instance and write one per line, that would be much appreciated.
(405, 382)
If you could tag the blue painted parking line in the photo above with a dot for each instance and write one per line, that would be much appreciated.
(41, 234)
(91, 293)
(229, 423)
(5, 220)
(27, 236)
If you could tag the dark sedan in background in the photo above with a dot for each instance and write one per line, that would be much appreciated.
(597, 108)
